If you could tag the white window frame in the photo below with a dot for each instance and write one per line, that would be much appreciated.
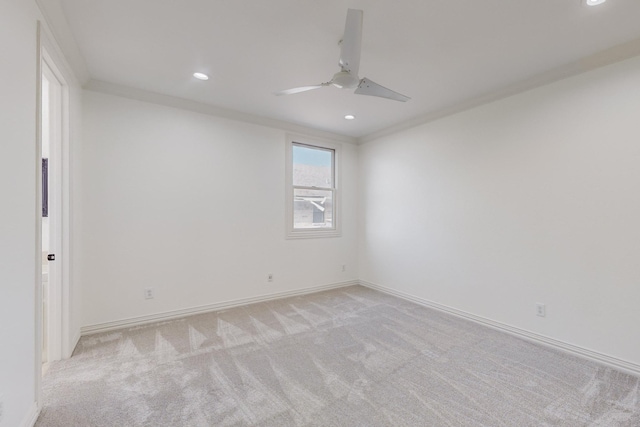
(310, 233)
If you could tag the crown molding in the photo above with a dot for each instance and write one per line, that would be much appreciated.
(57, 25)
(199, 107)
(601, 59)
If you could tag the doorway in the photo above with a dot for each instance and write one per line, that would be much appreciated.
(53, 128)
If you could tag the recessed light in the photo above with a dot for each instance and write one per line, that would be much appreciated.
(200, 76)
(593, 2)
(349, 117)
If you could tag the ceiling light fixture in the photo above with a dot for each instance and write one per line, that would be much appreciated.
(349, 117)
(593, 2)
(200, 76)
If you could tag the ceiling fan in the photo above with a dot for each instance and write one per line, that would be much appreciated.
(347, 77)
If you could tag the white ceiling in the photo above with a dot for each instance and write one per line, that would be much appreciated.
(442, 53)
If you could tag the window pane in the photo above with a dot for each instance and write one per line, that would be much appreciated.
(312, 167)
(312, 209)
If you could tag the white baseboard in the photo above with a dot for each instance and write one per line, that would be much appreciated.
(32, 416)
(175, 314)
(605, 359)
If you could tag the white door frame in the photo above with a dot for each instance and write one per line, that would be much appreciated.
(55, 132)
(59, 331)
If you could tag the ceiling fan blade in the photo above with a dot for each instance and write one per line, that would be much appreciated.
(351, 42)
(367, 87)
(299, 89)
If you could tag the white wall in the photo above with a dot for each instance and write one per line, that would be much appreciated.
(18, 219)
(534, 198)
(192, 205)
(18, 209)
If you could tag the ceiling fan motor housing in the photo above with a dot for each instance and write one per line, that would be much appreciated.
(345, 80)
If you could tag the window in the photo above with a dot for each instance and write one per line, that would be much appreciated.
(312, 190)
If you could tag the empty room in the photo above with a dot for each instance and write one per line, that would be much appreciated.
(304, 213)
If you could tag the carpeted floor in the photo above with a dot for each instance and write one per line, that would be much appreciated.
(346, 357)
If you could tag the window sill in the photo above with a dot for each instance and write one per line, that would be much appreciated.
(312, 234)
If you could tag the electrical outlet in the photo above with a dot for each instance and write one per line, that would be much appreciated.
(344, 267)
(541, 310)
(270, 277)
(148, 293)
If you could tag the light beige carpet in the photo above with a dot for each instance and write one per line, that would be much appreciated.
(347, 357)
